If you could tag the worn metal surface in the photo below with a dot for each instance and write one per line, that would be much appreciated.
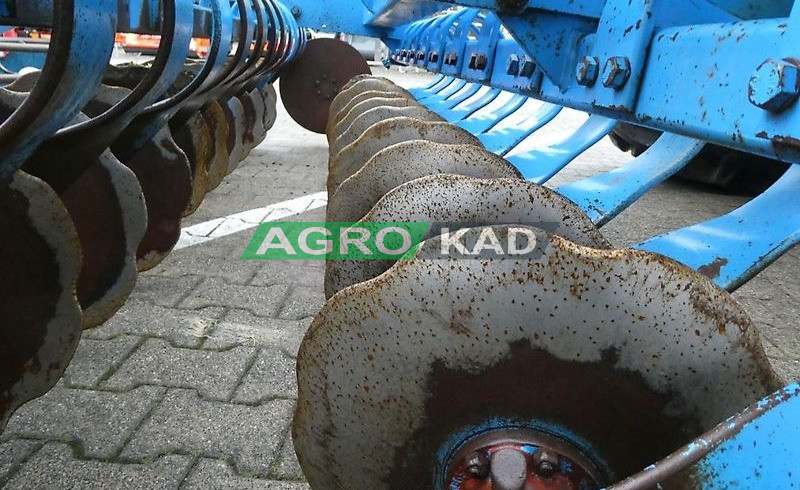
(197, 142)
(314, 79)
(336, 115)
(374, 116)
(434, 351)
(344, 123)
(403, 162)
(361, 84)
(385, 134)
(455, 201)
(214, 115)
(40, 317)
(753, 449)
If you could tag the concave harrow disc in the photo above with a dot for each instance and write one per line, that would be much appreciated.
(311, 82)
(620, 354)
(40, 318)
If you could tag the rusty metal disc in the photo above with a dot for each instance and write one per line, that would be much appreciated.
(214, 115)
(337, 114)
(362, 190)
(311, 82)
(455, 201)
(345, 119)
(623, 355)
(385, 134)
(40, 317)
(197, 142)
(374, 116)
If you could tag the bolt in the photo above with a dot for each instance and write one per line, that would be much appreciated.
(545, 464)
(296, 12)
(587, 71)
(513, 65)
(616, 72)
(477, 464)
(528, 66)
(775, 85)
(433, 57)
(421, 55)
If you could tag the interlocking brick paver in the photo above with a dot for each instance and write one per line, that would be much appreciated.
(302, 302)
(13, 453)
(216, 474)
(287, 466)
(100, 421)
(183, 328)
(263, 301)
(213, 374)
(183, 422)
(310, 273)
(272, 375)
(165, 291)
(95, 358)
(240, 327)
(54, 467)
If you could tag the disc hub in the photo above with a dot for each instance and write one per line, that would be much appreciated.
(519, 459)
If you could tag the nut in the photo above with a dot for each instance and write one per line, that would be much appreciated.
(616, 72)
(775, 85)
(587, 71)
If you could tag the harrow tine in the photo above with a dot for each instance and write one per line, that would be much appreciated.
(503, 140)
(541, 164)
(441, 83)
(40, 317)
(451, 89)
(481, 122)
(605, 195)
(376, 115)
(449, 201)
(459, 348)
(362, 190)
(387, 133)
(459, 113)
(733, 248)
(443, 105)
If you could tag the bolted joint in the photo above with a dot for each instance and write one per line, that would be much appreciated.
(296, 12)
(616, 72)
(587, 71)
(433, 57)
(477, 464)
(480, 62)
(775, 85)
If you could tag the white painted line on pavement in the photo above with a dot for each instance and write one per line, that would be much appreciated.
(234, 223)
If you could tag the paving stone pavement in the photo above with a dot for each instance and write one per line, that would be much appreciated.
(191, 385)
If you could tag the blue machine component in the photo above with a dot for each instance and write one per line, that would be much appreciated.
(756, 448)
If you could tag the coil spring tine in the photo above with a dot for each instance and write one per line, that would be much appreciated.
(605, 195)
(68, 79)
(732, 248)
(541, 164)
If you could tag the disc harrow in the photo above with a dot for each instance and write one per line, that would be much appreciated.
(515, 348)
(99, 163)
(478, 370)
